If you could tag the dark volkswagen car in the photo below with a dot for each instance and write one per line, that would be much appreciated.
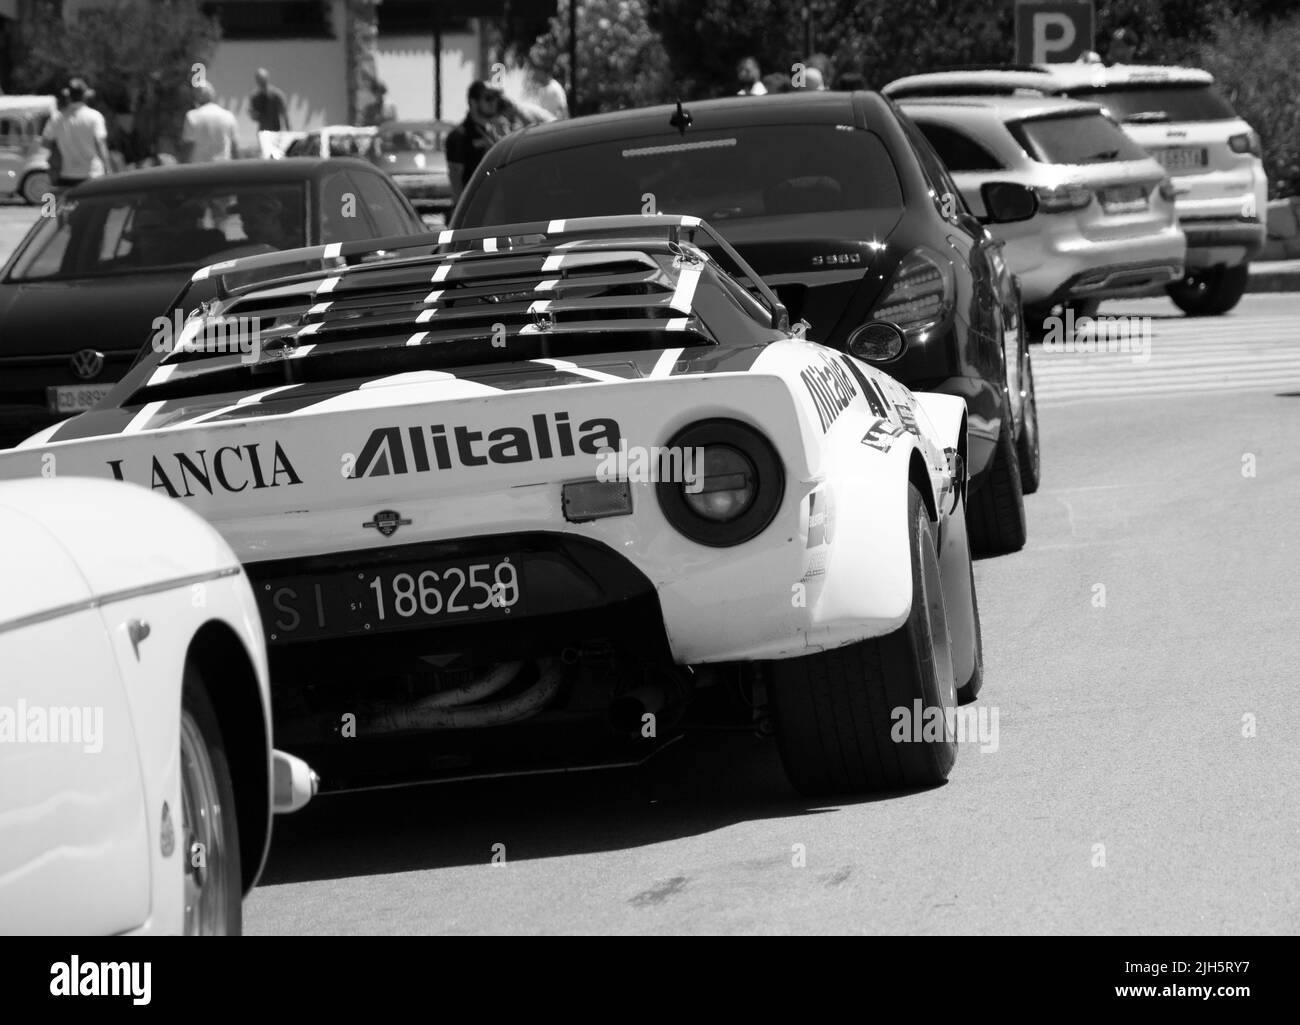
(842, 206)
(80, 294)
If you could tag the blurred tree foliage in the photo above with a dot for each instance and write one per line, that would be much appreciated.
(621, 59)
(138, 55)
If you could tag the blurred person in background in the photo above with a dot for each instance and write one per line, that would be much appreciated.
(268, 105)
(749, 79)
(79, 135)
(473, 137)
(546, 92)
(378, 111)
(776, 82)
(211, 132)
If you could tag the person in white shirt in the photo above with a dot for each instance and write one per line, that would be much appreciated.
(81, 136)
(747, 74)
(211, 131)
(547, 93)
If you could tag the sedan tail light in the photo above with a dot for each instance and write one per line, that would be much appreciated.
(920, 294)
(1063, 197)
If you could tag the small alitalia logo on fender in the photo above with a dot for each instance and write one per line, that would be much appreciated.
(387, 521)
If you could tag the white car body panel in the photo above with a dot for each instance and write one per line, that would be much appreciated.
(81, 832)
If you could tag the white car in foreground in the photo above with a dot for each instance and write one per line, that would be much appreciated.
(137, 778)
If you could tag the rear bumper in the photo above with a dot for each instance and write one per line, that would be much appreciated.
(1117, 282)
(1052, 268)
(1212, 241)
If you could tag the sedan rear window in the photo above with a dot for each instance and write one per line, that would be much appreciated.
(789, 177)
(1161, 103)
(1075, 139)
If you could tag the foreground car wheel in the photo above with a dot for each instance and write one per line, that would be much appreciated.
(1027, 443)
(834, 710)
(209, 833)
(996, 518)
(1208, 293)
(35, 186)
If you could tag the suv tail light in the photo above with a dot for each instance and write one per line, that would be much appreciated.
(1245, 142)
(920, 294)
(1063, 197)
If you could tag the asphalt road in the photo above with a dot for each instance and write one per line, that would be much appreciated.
(1140, 658)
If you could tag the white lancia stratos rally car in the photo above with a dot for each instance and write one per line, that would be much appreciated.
(137, 778)
(544, 496)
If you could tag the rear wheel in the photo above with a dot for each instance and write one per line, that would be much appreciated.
(210, 833)
(1027, 443)
(1211, 291)
(847, 719)
(996, 518)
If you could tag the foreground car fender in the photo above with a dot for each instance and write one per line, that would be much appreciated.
(155, 587)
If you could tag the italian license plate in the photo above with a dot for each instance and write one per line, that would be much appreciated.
(1182, 158)
(1124, 199)
(389, 598)
(75, 397)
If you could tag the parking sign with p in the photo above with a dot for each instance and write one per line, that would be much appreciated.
(1053, 31)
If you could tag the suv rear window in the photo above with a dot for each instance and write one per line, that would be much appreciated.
(788, 176)
(1075, 139)
(1175, 102)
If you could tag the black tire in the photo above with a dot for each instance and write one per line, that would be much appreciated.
(34, 187)
(1209, 293)
(208, 816)
(833, 711)
(996, 517)
(1027, 454)
(968, 691)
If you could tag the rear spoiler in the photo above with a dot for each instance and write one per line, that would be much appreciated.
(233, 277)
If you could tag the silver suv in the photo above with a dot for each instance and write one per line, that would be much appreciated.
(1176, 114)
(1105, 226)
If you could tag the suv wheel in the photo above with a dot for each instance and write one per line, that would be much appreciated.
(1210, 292)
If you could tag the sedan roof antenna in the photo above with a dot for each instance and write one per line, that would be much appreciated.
(681, 120)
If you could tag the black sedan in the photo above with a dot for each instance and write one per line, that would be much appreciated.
(842, 206)
(82, 293)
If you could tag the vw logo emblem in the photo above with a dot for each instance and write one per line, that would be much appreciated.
(87, 364)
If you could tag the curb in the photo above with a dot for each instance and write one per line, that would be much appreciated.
(1275, 276)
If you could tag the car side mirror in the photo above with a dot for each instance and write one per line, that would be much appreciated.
(1007, 202)
(878, 341)
(781, 318)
